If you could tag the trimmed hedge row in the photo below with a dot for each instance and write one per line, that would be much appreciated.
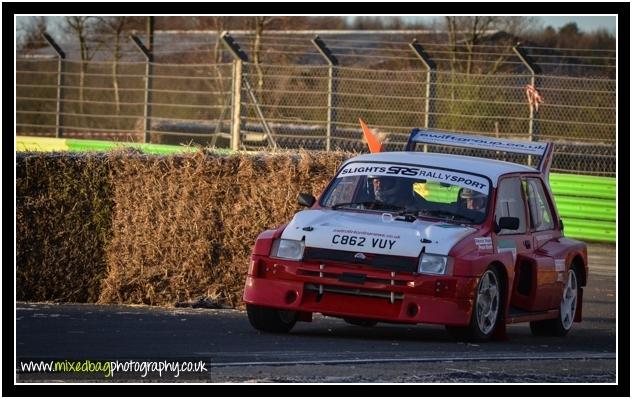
(63, 225)
(129, 228)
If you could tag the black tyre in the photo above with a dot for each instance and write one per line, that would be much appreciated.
(486, 314)
(360, 322)
(561, 325)
(271, 320)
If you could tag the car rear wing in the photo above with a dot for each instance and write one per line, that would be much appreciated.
(435, 137)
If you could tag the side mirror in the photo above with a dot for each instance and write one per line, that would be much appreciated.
(561, 225)
(306, 199)
(509, 223)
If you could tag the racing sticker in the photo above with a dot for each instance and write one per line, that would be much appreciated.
(508, 246)
(486, 143)
(464, 180)
(483, 243)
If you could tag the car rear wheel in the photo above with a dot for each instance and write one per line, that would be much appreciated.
(486, 310)
(271, 320)
(561, 325)
(360, 322)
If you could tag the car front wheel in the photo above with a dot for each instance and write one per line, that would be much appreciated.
(486, 311)
(271, 320)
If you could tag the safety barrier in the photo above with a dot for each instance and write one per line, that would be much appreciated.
(587, 205)
(24, 143)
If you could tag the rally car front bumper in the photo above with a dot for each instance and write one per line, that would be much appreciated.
(352, 291)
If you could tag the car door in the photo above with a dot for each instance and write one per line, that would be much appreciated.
(510, 202)
(542, 229)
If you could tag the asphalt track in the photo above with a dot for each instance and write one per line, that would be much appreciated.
(326, 350)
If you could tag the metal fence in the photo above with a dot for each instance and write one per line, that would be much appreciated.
(312, 105)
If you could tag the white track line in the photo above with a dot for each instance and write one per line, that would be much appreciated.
(561, 356)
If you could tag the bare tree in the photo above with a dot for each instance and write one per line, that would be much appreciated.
(259, 24)
(451, 27)
(472, 29)
(367, 23)
(32, 34)
(466, 32)
(82, 28)
(220, 24)
(270, 23)
(150, 23)
(115, 27)
(175, 23)
(465, 35)
(329, 22)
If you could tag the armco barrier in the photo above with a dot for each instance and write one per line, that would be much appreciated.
(587, 204)
(24, 143)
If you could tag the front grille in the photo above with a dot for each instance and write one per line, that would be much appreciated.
(387, 262)
(395, 296)
(336, 276)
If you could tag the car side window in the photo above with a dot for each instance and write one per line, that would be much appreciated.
(539, 210)
(509, 203)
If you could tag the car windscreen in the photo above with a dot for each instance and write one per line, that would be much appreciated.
(444, 194)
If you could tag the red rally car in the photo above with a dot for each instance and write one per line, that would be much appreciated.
(420, 237)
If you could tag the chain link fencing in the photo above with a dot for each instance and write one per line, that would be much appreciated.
(314, 106)
(578, 114)
(189, 103)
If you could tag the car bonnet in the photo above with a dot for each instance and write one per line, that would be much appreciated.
(377, 233)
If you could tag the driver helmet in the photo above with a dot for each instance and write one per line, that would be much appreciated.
(385, 188)
(477, 198)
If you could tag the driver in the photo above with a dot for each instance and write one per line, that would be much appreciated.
(391, 190)
(474, 200)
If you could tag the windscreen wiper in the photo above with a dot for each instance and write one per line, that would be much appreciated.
(408, 216)
(386, 206)
(343, 204)
(370, 204)
(443, 212)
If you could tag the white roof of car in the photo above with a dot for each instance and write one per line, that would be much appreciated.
(483, 166)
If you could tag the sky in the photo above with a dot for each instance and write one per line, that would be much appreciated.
(585, 23)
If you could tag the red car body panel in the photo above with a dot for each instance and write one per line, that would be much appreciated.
(294, 285)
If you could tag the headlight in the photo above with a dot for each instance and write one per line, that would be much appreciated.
(287, 249)
(432, 264)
